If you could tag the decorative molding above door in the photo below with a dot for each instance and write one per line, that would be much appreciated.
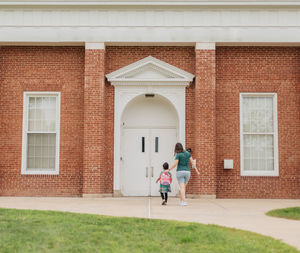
(152, 71)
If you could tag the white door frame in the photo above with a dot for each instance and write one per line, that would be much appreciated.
(149, 75)
(123, 96)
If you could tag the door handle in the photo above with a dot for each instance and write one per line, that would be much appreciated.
(151, 171)
(146, 171)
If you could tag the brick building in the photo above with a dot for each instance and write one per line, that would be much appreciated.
(95, 94)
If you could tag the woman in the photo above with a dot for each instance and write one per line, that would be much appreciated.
(183, 174)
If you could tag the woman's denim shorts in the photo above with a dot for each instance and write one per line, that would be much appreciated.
(183, 176)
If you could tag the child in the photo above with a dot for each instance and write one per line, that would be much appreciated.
(165, 183)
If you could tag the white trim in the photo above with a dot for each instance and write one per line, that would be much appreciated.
(151, 83)
(156, 44)
(123, 95)
(149, 35)
(92, 45)
(177, 76)
(276, 163)
(152, 127)
(26, 96)
(152, 3)
(205, 46)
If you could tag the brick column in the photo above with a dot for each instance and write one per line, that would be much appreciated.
(94, 121)
(205, 119)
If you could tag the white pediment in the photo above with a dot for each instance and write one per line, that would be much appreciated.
(150, 70)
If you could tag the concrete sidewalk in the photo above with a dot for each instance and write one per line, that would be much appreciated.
(246, 214)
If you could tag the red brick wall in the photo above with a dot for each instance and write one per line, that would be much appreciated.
(94, 164)
(109, 137)
(258, 69)
(239, 69)
(205, 121)
(41, 69)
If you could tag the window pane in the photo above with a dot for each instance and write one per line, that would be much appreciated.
(42, 114)
(31, 113)
(38, 102)
(31, 150)
(51, 151)
(254, 164)
(258, 149)
(30, 163)
(32, 102)
(247, 152)
(38, 151)
(52, 163)
(41, 151)
(257, 114)
(270, 164)
(45, 151)
(247, 164)
(262, 164)
(269, 114)
(269, 152)
(45, 163)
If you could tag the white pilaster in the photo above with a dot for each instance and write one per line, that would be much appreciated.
(92, 45)
(205, 46)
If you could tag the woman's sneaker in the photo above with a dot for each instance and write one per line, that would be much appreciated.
(182, 203)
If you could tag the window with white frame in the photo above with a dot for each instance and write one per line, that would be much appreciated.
(41, 124)
(259, 148)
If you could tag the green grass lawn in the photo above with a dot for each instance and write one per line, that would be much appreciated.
(292, 213)
(48, 231)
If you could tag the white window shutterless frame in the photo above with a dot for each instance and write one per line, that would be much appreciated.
(258, 134)
(41, 130)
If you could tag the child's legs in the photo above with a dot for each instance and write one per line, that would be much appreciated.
(166, 197)
(162, 196)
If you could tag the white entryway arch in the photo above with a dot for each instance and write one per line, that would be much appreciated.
(148, 76)
(149, 110)
(149, 127)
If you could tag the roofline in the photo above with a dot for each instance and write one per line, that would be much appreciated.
(257, 3)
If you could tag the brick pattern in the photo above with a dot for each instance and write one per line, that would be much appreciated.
(109, 137)
(258, 69)
(94, 165)
(205, 121)
(87, 106)
(41, 69)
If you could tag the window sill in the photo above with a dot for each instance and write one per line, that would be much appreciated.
(259, 174)
(38, 172)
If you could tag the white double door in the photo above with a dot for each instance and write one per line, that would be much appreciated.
(143, 153)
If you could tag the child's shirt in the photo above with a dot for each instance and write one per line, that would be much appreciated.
(165, 178)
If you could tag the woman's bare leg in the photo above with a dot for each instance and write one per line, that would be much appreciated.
(182, 191)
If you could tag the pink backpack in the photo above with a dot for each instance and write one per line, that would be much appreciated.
(165, 178)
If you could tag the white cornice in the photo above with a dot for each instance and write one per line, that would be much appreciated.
(165, 25)
(151, 3)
